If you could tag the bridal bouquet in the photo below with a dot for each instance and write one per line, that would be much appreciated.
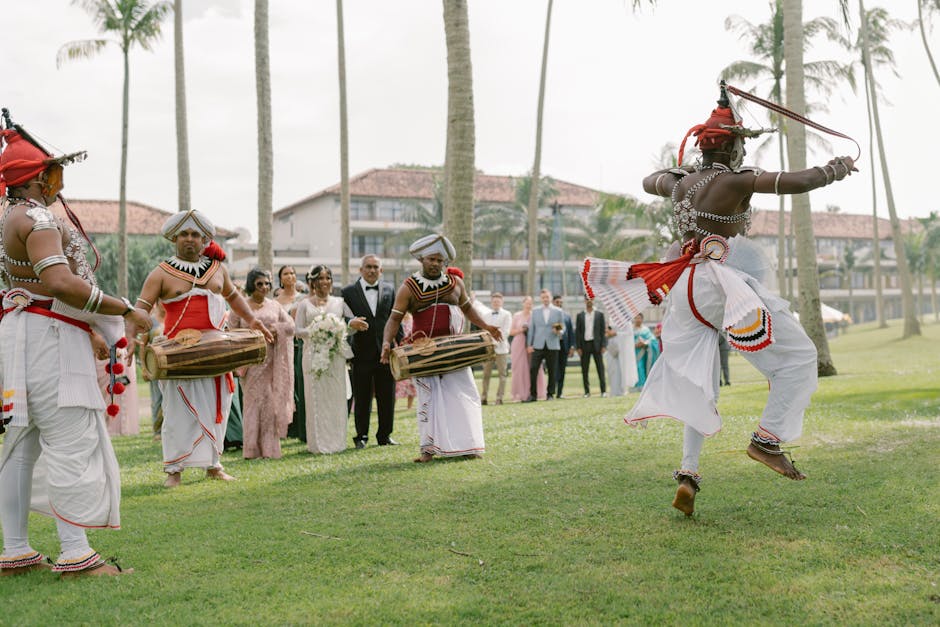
(327, 338)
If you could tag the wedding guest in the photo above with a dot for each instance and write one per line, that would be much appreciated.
(319, 321)
(646, 353)
(268, 387)
(406, 387)
(620, 361)
(520, 356)
(591, 339)
(288, 295)
(543, 343)
(498, 317)
(567, 345)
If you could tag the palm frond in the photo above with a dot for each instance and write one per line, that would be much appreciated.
(79, 49)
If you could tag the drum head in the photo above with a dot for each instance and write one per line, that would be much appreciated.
(188, 337)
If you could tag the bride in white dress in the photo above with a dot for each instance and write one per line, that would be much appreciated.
(326, 394)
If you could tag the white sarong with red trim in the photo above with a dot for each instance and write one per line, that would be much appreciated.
(195, 411)
(712, 294)
(51, 394)
(450, 417)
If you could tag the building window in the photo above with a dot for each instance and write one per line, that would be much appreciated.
(368, 244)
(393, 211)
(361, 210)
(510, 283)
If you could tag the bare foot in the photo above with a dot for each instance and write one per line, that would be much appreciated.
(173, 480)
(771, 456)
(21, 570)
(425, 458)
(684, 500)
(103, 569)
(218, 473)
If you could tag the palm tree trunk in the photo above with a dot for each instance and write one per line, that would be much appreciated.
(182, 137)
(782, 232)
(265, 143)
(808, 273)
(536, 178)
(122, 203)
(911, 326)
(461, 139)
(345, 236)
(923, 36)
(876, 240)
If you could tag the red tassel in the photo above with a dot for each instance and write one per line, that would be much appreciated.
(214, 251)
(113, 410)
(455, 271)
(121, 343)
(118, 368)
(659, 277)
(119, 388)
(107, 368)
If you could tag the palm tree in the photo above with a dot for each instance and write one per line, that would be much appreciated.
(911, 325)
(459, 159)
(265, 142)
(807, 270)
(766, 44)
(848, 266)
(182, 137)
(533, 205)
(880, 25)
(132, 22)
(915, 253)
(343, 148)
(932, 5)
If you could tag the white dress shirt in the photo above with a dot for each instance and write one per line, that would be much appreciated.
(372, 296)
(589, 326)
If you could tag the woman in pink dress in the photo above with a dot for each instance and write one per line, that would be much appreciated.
(406, 387)
(268, 387)
(520, 357)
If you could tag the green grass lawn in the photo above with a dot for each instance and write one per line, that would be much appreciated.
(566, 520)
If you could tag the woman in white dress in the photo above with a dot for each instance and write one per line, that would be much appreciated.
(326, 392)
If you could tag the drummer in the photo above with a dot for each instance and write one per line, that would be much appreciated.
(194, 286)
(450, 420)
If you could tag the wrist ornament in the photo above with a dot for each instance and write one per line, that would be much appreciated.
(128, 307)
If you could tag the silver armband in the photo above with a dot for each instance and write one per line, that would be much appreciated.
(51, 260)
(94, 299)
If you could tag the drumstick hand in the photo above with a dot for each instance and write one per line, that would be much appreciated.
(386, 349)
(495, 332)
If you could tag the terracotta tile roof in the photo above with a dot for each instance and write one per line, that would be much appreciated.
(101, 216)
(832, 225)
(419, 184)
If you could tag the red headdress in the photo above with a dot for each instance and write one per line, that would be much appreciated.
(713, 133)
(455, 271)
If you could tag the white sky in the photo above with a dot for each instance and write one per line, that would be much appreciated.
(620, 85)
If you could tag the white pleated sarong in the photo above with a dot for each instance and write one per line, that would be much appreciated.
(450, 418)
(76, 477)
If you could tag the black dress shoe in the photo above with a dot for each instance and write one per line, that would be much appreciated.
(531, 399)
(359, 443)
(388, 442)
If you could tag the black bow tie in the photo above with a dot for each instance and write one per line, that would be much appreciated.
(372, 287)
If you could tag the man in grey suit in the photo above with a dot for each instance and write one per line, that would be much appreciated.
(543, 343)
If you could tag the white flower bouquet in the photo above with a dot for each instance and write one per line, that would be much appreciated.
(327, 338)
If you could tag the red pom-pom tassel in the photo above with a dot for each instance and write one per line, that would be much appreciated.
(113, 410)
(214, 251)
(121, 343)
(118, 368)
(107, 368)
(118, 388)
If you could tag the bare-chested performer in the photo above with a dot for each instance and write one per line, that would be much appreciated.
(57, 455)
(194, 286)
(450, 420)
(714, 282)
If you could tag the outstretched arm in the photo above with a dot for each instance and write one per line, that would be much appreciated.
(806, 180)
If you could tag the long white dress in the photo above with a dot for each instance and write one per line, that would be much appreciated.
(325, 396)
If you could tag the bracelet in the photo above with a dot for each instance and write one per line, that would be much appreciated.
(51, 260)
(823, 172)
(145, 301)
(98, 302)
(842, 163)
(400, 313)
(659, 179)
(828, 180)
(777, 184)
(92, 296)
(128, 307)
(230, 294)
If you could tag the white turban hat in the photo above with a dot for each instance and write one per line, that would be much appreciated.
(433, 243)
(184, 220)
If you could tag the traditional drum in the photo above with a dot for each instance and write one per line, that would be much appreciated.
(193, 354)
(439, 355)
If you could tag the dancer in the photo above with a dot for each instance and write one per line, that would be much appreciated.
(450, 420)
(714, 280)
(55, 320)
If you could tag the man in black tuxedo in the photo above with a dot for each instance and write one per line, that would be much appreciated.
(591, 339)
(368, 305)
